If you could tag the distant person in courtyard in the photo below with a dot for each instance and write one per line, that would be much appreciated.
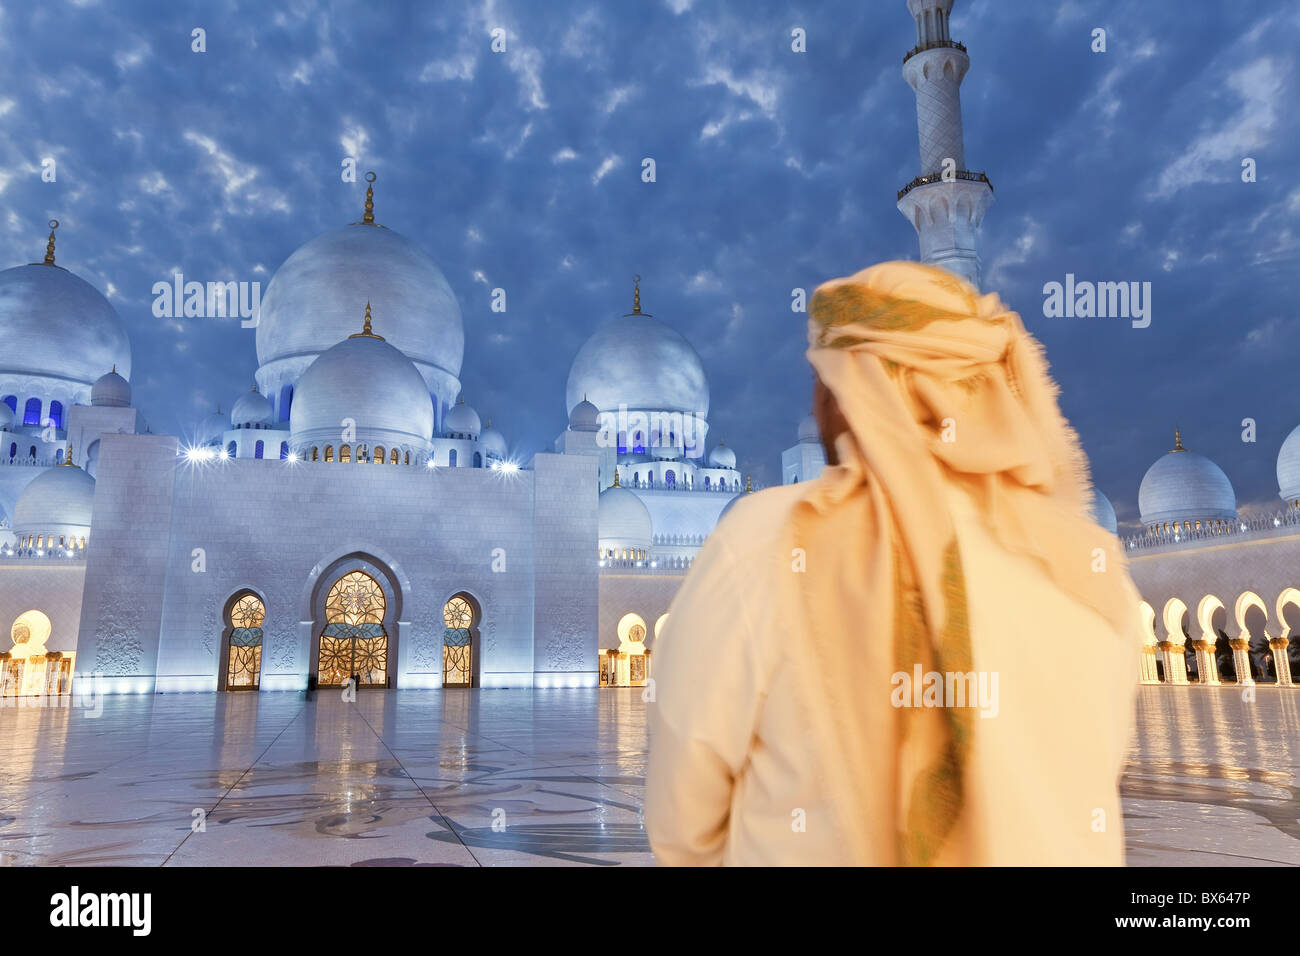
(856, 670)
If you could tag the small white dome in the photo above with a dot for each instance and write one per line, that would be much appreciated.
(58, 501)
(251, 408)
(1103, 512)
(623, 520)
(6, 416)
(1288, 467)
(722, 457)
(585, 417)
(1184, 486)
(211, 429)
(111, 390)
(808, 430)
(493, 443)
(462, 420)
(371, 383)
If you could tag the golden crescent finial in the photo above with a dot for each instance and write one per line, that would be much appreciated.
(369, 217)
(49, 246)
(1178, 441)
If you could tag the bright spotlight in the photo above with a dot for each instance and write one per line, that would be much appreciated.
(293, 456)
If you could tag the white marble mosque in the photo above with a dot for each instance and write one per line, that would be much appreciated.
(129, 565)
(132, 551)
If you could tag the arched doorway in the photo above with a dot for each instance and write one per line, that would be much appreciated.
(460, 615)
(27, 669)
(354, 640)
(241, 666)
(629, 664)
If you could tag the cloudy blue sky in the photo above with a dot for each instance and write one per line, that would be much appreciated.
(775, 170)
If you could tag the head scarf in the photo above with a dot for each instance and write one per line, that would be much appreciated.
(938, 384)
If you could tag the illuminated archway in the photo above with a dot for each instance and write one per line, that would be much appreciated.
(353, 640)
(1206, 663)
(1174, 646)
(629, 665)
(460, 618)
(241, 663)
(1246, 601)
(27, 669)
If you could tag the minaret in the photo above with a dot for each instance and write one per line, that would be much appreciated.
(947, 202)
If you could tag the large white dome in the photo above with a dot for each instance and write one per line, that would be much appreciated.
(638, 362)
(314, 299)
(54, 323)
(371, 383)
(1288, 467)
(623, 520)
(462, 420)
(58, 501)
(1184, 486)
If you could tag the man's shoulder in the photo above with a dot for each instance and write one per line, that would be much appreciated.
(759, 518)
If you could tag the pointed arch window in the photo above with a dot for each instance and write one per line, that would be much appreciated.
(379, 454)
(393, 457)
(244, 647)
(258, 449)
(32, 412)
(354, 640)
(459, 618)
(56, 414)
(451, 458)
(345, 453)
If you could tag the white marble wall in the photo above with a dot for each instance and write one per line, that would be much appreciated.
(174, 541)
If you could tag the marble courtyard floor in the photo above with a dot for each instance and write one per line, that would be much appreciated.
(421, 777)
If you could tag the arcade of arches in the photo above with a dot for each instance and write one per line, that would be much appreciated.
(1251, 651)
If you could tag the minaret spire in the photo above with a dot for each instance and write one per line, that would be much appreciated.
(947, 202)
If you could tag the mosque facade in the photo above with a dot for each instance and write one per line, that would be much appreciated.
(352, 518)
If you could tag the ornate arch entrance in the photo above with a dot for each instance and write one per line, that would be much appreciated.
(354, 640)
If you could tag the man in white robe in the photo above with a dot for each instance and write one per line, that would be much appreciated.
(928, 655)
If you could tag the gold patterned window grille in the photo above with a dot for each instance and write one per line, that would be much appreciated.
(354, 640)
(244, 663)
(457, 643)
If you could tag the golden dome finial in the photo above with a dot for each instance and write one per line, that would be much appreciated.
(114, 369)
(369, 217)
(49, 245)
(67, 459)
(749, 487)
(365, 332)
(1178, 441)
(616, 484)
(636, 296)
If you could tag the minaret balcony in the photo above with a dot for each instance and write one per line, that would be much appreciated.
(933, 45)
(963, 174)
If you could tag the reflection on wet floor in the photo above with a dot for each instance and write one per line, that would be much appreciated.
(466, 778)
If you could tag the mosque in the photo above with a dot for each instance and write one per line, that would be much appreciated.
(351, 517)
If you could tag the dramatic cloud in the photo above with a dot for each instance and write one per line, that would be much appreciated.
(775, 170)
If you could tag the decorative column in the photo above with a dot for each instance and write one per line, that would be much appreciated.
(1175, 661)
(1150, 674)
(1281, 663)
(946, 202)
(1205, 662)
(1241, 659)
